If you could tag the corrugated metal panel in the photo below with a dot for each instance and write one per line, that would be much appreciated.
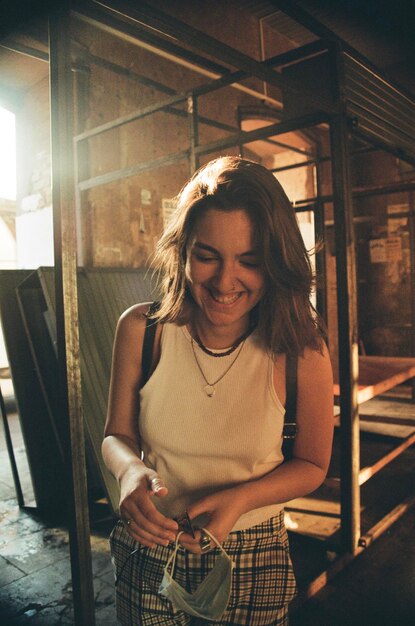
(384, 112)
(103, 294)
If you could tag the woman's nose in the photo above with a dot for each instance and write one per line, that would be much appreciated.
(225, 279)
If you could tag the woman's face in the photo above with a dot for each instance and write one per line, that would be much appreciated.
(223, 269)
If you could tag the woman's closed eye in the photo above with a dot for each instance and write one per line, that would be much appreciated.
(249, 263)
(205, 258)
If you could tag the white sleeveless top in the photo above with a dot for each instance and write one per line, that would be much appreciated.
(200, 444)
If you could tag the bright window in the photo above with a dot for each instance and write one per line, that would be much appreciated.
(7, 155)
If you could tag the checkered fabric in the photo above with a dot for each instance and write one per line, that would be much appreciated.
(262, 587)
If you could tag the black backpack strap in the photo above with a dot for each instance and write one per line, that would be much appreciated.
(148, 343)
(290, 426)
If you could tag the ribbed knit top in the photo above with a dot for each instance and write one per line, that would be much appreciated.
(200, 444)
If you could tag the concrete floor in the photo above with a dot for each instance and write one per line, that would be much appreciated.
(35, 576)
(377, 588)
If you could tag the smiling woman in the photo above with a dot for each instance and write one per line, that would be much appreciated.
(206, 425)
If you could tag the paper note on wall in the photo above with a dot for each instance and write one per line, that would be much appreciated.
(377, 249)
(167, 207)
(385, 250)
(394, 248)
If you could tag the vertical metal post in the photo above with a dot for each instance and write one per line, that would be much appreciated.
(347, 334)
(67, 311)
(81, 75)
(193, 132)
(411, 225)
(320, 231)
(239, 122)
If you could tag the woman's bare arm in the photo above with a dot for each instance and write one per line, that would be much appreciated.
(120, 448)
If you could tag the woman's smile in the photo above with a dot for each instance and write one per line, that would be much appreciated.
(224, 299)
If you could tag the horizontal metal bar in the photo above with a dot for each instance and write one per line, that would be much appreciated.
(232, 140)
(315, 48)
(140, 36)
(386, 419)
(386, 522)
(131, 117)
(322, 159)
(381, 419)
(226, 80)
(305, 511)
(408, 157)
(367, 472)
(393, 142)
(87, 57)
(366, 191)
(365, 541)
(294, 166)
(279, 128)
(34, 53)
(148, 82)
(126, 172)
(103, 15)
(154, 18)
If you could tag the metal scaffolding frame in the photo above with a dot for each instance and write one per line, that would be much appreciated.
(134, 21)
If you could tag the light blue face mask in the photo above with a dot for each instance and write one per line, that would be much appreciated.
(211, 598)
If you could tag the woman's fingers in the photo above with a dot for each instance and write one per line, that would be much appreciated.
(145, 538)
(157, 486)
(149, 524)
(193, 545)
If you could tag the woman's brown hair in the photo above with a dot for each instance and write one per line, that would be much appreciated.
(286, 320)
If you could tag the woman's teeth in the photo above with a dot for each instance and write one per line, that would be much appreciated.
(229, 299)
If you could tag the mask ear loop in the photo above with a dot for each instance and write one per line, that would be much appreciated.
(171, 561)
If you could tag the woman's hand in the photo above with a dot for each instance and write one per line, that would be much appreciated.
(223, 509)
(142, 520)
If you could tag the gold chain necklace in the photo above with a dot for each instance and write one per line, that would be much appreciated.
(210, 388)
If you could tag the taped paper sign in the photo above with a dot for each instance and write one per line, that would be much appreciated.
(385, 250)
(167, 206)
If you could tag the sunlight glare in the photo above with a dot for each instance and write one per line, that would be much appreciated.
(7, 155)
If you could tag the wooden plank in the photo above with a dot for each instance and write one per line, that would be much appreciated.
(378, 374)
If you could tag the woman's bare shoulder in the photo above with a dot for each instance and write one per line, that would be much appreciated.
(315, 363)
(133, 319)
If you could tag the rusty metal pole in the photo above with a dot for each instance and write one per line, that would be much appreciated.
(347, 335)
(192, 110)
(320, 237)
(61, 91)
(411, 226)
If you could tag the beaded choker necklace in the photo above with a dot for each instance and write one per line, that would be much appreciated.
(226, 352)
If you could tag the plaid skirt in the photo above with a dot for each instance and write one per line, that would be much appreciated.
(263, 582)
